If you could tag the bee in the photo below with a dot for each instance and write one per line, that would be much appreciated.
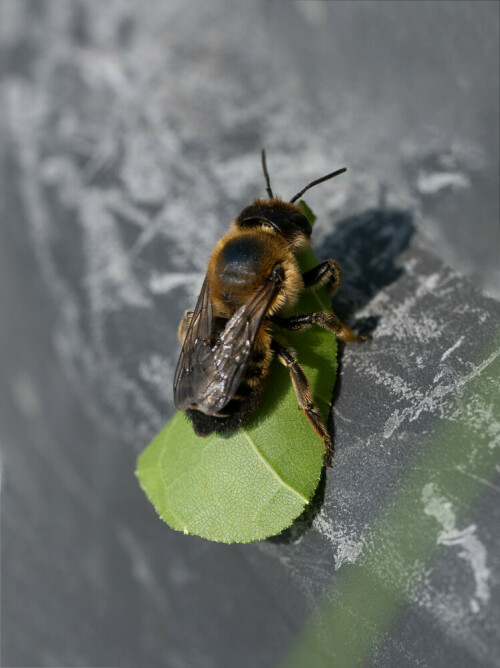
(228, 341)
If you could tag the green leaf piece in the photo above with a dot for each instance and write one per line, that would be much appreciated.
(307, 211)
(252, 483)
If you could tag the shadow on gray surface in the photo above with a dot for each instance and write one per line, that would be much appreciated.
(366, 247)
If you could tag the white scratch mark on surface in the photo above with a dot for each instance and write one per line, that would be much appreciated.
(428, 283)
(347, 547)
(479, 369)
(158, 371)
(478, 478)
(473, 551)
(401, 323)
(435, 399)
(25, 395)
(430, 183)
(313, 12)
(140, 567)
(110, 280)
(161, 284)
(456, 345)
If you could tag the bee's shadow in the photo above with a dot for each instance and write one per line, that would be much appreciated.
(366, 246)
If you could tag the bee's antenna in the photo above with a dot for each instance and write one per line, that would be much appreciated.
(315, 183)
(266, 174)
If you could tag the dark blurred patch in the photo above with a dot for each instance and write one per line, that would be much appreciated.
(83, 31)
(366, 246)
(79, 27)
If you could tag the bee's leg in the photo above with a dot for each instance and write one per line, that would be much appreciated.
(304, 397)
(183, 326)
(325, 319)
(326, 273)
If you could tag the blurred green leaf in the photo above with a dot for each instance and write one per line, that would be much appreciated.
(255, 482)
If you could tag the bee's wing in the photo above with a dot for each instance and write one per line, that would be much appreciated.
(231, 353)
(195, 367)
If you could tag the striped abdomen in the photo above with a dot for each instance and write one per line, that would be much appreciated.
(247, 398)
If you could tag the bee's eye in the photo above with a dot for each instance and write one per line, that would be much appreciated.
(301, 222)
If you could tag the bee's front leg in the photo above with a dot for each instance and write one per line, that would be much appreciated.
(326, 273)
(304, 397)
(325, 319)
(183, 326)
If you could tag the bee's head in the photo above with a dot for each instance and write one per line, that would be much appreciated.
(282, 217)
(285, 218)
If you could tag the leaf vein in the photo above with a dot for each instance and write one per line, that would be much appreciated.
(318, 299)
(273, 471)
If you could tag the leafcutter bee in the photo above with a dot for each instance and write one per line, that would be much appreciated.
(228, 340)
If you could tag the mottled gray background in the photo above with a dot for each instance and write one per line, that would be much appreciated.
(129, 138)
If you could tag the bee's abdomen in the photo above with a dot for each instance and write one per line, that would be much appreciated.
(242, 405)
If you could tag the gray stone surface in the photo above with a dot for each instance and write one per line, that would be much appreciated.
(129, 138)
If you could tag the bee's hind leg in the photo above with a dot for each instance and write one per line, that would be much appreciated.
(304, 397)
